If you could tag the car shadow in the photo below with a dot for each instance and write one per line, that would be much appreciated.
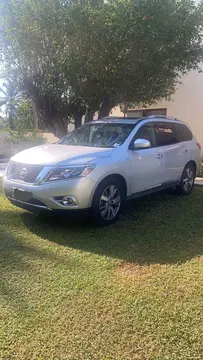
(160, 229)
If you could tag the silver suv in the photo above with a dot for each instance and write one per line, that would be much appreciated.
(103, 163)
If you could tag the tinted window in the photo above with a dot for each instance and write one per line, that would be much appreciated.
(146, 132)
(183, 132)
(166, 134)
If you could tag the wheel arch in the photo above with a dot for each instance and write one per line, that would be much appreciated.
(119, 177)
(193, 163)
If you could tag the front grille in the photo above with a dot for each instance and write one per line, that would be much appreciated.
(23, 172)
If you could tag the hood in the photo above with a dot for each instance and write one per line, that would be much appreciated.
(55, 154)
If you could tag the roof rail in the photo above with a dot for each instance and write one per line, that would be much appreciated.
(120, 117)
(162, 117)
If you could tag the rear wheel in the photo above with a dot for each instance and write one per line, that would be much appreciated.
(107, 202)
(187, 180)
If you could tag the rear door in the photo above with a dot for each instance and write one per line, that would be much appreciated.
(167, 141)
(188, 147)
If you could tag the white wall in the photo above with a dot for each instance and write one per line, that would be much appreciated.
(186, 103)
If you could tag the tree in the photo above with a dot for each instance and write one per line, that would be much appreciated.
(139, 49)
(79, 57)
(33, 48)
(10, 100)
(25, 116)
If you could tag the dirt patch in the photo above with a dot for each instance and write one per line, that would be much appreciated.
(136, 271)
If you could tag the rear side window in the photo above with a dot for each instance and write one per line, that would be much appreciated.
(183, 132)
(166, 134)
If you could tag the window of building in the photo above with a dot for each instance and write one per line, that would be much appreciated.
(146, 112)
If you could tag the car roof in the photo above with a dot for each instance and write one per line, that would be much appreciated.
(130, 120)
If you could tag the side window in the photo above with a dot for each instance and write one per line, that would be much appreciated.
(166, 134)
(183, 132)
(146, 132)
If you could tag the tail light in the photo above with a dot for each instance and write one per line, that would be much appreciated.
(198, 145)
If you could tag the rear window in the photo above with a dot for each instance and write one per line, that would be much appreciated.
(166, 134)
(183, 132)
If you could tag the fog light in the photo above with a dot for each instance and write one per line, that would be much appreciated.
(67, 200)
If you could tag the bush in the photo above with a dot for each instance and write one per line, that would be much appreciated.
(201, 168)
(19, 140)
(25, 135)
(3, 124)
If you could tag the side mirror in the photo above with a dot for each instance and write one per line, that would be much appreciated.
(141, 144)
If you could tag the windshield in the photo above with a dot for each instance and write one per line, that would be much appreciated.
(98, 135)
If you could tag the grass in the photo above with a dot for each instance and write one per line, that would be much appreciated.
(132, 291)
(201, 168)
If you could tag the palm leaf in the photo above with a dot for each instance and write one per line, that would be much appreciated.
(3, 101)
(2, 90)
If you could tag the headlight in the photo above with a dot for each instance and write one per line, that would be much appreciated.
(63, 173)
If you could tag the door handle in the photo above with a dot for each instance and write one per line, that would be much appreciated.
(185, 150)
(159, 156)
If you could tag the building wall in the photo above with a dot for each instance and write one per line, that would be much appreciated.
(186, 103)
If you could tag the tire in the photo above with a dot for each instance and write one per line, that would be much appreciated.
(187, 180)
(107, 202)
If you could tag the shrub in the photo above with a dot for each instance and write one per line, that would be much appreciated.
(201, 168)
(3, 124)
(24, 134)
(19, 140)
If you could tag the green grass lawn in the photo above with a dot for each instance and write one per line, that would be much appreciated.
(71, 291)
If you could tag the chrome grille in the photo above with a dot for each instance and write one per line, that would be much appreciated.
(23, 172)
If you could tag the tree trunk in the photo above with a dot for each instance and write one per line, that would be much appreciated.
(35, 116)
(55, 125)
(78, 120)
(11, 121)
(105, 108)
(89, 115)
(59, 131)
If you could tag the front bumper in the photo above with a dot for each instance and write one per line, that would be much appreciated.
(43, 195)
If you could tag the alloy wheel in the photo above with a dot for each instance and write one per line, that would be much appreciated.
(188, 179)
(110, 202)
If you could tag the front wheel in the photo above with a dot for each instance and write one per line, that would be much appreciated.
(107, 202)
(187, 180)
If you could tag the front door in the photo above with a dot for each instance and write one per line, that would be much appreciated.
(146, 165)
